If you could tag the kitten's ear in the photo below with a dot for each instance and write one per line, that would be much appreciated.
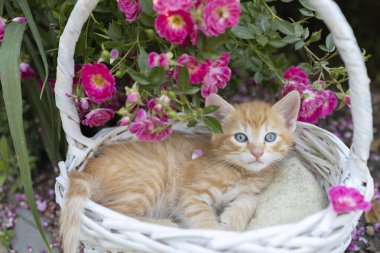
(288, 107)
(224, 107)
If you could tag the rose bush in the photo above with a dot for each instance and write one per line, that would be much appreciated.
(186, 50)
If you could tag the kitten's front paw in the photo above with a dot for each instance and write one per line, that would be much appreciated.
(232, 222)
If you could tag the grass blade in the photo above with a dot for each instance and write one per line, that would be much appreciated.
(36, 35)
(1, 7)
(11, 85)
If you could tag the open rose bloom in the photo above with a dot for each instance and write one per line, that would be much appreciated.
(345, 199)
(314, 104)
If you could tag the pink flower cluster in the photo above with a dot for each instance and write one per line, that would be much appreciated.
(314, 104)
(145, 127)
(154, 124)
(180, 21)
(346, 199)
(130, 8)
(96, 98)
(213, 74)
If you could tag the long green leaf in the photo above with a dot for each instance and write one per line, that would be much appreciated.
(11, 85)
(1, 7)
(36, 35)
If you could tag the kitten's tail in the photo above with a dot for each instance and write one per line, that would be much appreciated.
(78, 192)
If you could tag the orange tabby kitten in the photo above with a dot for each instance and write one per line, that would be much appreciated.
(159, 180)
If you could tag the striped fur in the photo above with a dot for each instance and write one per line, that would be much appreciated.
(159, 180)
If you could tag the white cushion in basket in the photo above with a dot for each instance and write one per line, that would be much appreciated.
(294, 195)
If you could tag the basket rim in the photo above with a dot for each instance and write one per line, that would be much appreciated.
(221, 240)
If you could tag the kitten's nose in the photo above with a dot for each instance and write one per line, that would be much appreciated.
(257, 153)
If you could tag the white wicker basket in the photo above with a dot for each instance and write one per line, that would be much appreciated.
(103, 230)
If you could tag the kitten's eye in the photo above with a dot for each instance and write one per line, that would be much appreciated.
(240, 137)
(270, 137)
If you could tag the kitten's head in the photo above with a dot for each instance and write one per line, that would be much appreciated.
(255, 134)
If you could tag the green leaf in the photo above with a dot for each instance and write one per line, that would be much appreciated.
(323, 48)
(330, 43)
(114, 31)
(213, 124)
(243, 32)
(48, 120)
(192, 90)
(183, 79)
(3, 166)
(1, 7)
(11, 85)
(37, 37)
(277, 43)
(298, 30)
(264, 24)
(307, 5)
(262, 40)
(286, 27)
(142, 61)
(299, 45)
(289, 39)
(306, 12)
(146, 20)
(157, 76)
(147, 6)
(138, 77)
(315, 36)
(210, 109)
(4, 149)
(307, 67)
(306, 33)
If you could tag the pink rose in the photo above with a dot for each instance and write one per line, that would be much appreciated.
(131, 9)
(218, 75)
(145, 127)
(330, 102)
(98, 83)
(164, 6)
(297, 75)
(98, 117)
(220, 15)
(197, 70)
(175, 26)
(346, 199)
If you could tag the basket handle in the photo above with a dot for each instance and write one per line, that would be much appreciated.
(343, 37)
(361, 106)
(65, 74)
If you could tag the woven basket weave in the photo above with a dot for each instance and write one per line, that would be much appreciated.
(103, 230)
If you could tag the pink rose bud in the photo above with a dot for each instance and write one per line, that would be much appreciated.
(125, 121)
(20, 20)
(347, 99)
(197, 153)
(84, 104)
(114, 53)
(158, 108)
(133, 97)
(165, 99)
(158, 60)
